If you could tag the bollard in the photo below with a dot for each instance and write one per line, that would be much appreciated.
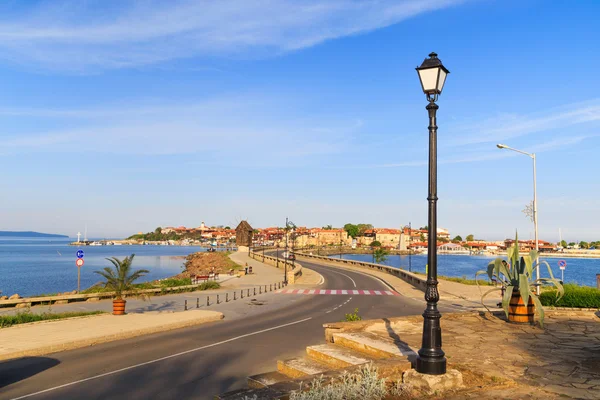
(265, 288)
(234, 296)
(207, 301)
(197, 302)
(185, 306)
(248, 293)
(260, 290)
(242, 294)
(255, 291)
(271, 287)
(226, 297)
(217, 299)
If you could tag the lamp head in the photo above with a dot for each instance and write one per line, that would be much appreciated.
(500, 146)
(432, 75)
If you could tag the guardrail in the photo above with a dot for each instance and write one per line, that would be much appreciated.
(292, 273)
(406, 276)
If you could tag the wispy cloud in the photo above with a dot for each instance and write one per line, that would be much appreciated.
(227, 128)
(79, 36)
(510, 126)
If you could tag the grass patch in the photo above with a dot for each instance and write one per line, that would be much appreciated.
(26, 317)
(575, 296)
(462, 280)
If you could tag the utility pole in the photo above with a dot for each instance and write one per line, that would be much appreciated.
(409, 249)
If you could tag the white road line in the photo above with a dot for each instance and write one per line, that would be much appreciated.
(377, 292)
(322, 291)
(160, 359)
(337, 272)
(311, 291)
(344, 292)
(354, 292)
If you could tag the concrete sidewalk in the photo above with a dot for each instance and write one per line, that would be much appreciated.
(46, 337)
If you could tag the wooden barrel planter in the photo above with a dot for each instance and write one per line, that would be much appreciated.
(119, 307)
(519, 312)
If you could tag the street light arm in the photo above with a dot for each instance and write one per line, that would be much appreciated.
(502, 146)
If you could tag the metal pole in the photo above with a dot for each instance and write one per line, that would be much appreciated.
(409, 249)
(286, 253)
(78, 279)
(535, 223)
(340, 245)
(431, 358)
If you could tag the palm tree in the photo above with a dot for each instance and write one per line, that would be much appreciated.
(120, 279)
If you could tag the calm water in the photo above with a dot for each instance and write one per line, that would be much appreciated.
(30, 267)
(579, 270)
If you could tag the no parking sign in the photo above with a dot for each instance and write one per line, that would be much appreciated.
(562, 264)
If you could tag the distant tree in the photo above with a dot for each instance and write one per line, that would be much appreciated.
(443, 239)
(423, 228)
(228, 227)
(351, 229)
(457, 239)
(380, 255)
(375, 243)
(584, 245)
(362, 228)
(470, 238)
(563, 243)
(328, 227)
(422, 237)
(158, 230)
(571, 244)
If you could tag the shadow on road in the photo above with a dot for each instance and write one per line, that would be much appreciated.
(16, 370)
(167, 305)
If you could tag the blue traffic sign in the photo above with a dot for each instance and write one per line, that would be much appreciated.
(79, 253)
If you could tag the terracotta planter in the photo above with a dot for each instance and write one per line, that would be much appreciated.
(119, 307)
(519, 312)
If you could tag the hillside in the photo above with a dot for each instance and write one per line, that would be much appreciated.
(29, 234)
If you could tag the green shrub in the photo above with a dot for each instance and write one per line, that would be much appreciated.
(209, 285)
(575, 296)
(26, 317)
(353, 317)
(171, 282)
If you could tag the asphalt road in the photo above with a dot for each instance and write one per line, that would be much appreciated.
(199, 362)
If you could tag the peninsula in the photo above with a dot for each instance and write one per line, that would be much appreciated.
(30, 234)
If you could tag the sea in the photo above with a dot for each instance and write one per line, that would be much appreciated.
(581, 271)
(30, 267)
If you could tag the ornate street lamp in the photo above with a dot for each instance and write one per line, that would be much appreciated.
(288, 225)
(431, 360)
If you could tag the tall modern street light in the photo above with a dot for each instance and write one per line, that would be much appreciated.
(431, 360)
(535, 218)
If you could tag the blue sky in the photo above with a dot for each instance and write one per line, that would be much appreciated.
(127, 115)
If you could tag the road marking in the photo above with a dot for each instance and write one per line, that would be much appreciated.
(160, 359)
(339, 292)
(337, 272)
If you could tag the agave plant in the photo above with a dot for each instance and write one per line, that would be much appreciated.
(516, 276)
(120, 278)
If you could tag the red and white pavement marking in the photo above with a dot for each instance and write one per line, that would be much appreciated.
(350, 292)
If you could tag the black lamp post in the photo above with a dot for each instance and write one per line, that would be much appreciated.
(431, 360)
(288, 224)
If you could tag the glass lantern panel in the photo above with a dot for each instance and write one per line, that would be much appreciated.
(443, 75)
(429, 79)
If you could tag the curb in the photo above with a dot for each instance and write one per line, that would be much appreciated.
(76, 344)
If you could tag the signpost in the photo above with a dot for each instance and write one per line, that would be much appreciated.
(562, 264)
(79, 262)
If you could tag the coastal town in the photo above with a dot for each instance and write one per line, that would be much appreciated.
(404, 241)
